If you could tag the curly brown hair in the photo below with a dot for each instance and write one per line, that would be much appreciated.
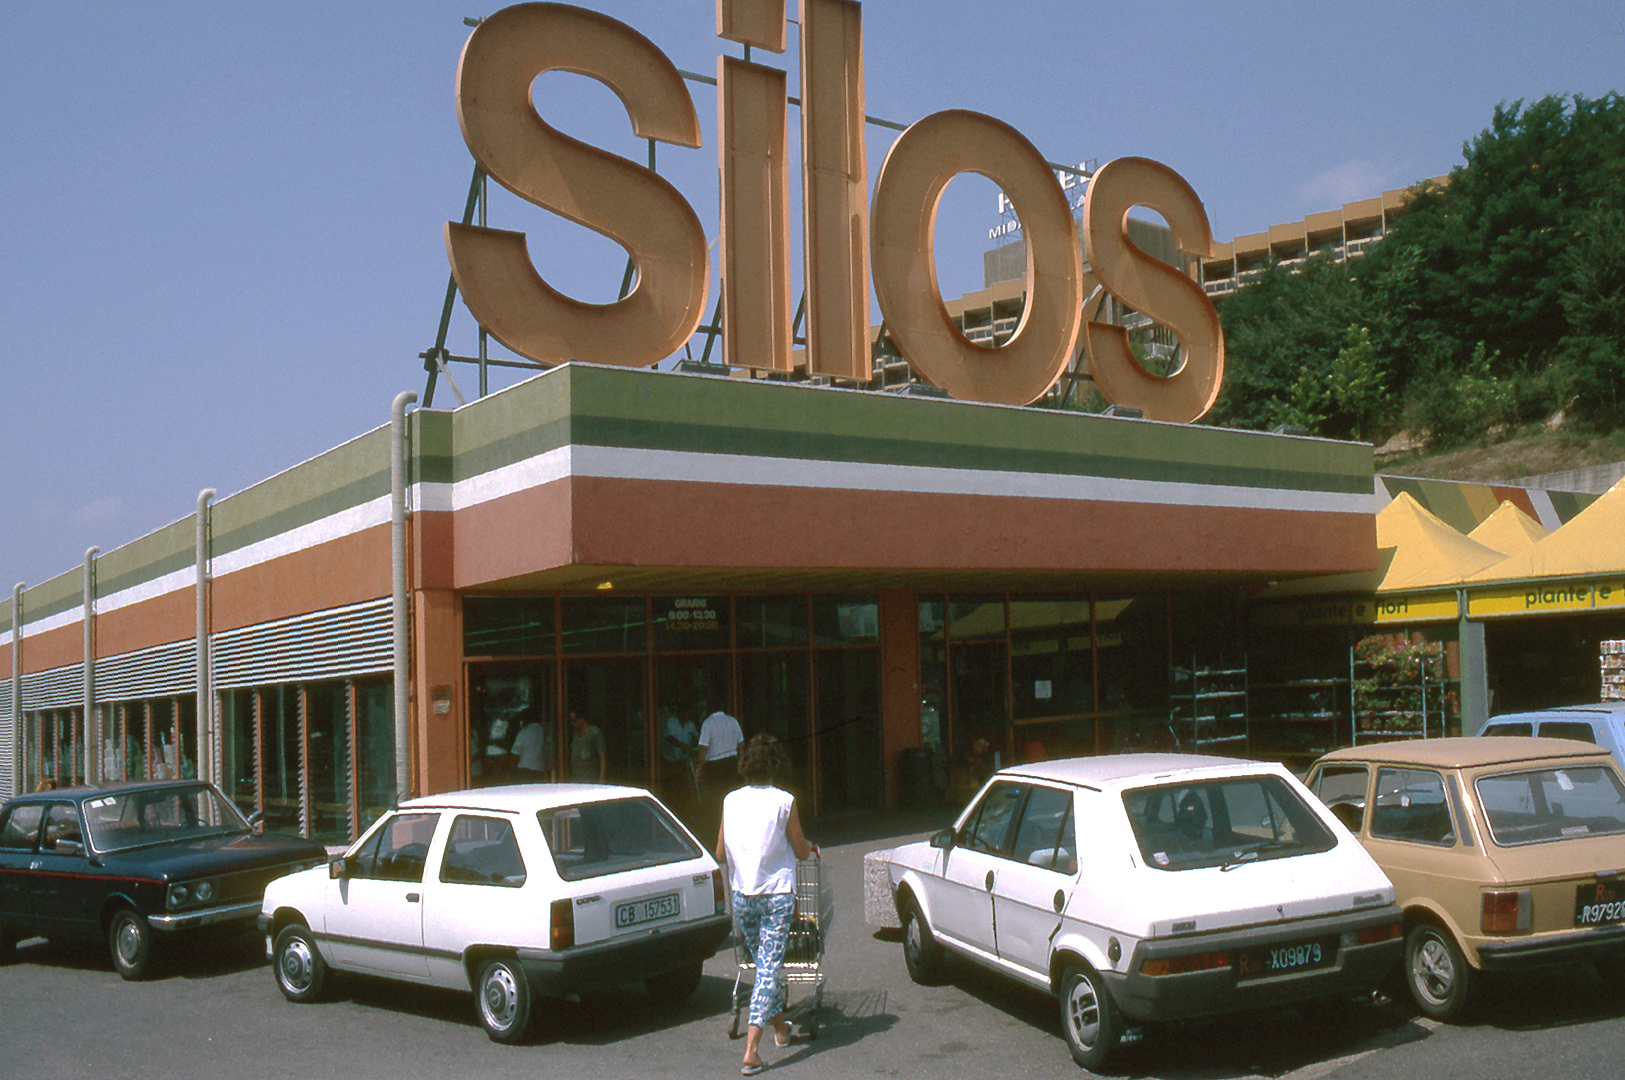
(761, 759)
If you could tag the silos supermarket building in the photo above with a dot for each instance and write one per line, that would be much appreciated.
(860, 573)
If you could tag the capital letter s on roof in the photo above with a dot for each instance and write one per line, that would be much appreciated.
(1154, 289)
(624, 201)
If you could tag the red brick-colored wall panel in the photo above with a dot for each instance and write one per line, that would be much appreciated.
(158, 621)
(513, 535)
(49, 649)
(636, 522)
(431, 539)
(348, 570)
(437, 672)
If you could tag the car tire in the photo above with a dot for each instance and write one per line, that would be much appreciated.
(504, 997)
(672, 988)
(1437, 973)
(296, 963)
(921, 952)
(130, 941)
(1089, 1020)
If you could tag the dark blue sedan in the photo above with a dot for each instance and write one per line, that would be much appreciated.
(139, 866)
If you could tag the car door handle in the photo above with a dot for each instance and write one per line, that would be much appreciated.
(989, 881)
(412, 898)
(35, 865)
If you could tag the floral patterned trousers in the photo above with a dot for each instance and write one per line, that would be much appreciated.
(764, 926)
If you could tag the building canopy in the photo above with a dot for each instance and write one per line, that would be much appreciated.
(1588, 544)
(1509, 530)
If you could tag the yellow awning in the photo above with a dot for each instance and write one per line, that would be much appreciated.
(1591, 542)
(1509, 530)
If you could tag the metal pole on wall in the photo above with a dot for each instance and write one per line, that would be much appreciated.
(19, 730)
(93, 728)
(208, 764)
(398, 609)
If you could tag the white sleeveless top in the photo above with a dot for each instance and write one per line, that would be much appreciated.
(754, 822)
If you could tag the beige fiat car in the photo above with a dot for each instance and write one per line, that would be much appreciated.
(1505, 854)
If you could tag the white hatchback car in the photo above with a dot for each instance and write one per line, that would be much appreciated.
(1146, 888)
(513, 892)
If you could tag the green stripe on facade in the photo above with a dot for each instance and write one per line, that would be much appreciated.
(174, 547)
(646, 410)
(339, 480)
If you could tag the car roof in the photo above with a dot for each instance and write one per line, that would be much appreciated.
(523, 798)
(1607, 708)
(1120, 770)
(1469, 752)
(82, 791)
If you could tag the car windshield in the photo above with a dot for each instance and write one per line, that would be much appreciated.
(593, 839)
(1538, 805)
(161, 815)
(1225, 822)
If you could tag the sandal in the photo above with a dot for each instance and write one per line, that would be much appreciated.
(751, 1070)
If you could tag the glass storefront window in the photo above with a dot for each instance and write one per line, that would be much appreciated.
(327, 734)
(773, 700)
(503, 699)
(604, 624)
(280, 758)
(933, 673)
(845, 620)
(772, 622)
(848, 691)
(508, 625)
(1052, 676)
(609, 694)
(375, 749)
(978, 661)
(237, 749)
(682, 623)
(1132, 661)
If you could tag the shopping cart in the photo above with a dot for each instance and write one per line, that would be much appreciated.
(803, 951)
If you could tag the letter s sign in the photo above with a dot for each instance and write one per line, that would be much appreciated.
(626, 202)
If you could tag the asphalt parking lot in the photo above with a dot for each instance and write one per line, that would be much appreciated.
(218, 1014)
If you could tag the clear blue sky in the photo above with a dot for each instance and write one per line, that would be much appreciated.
(222, 222)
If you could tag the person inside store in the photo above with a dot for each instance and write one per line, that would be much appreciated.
(587, 757)
(679, 742)
(969, 770)
(720, 736)
(532, 748)
(759, 841)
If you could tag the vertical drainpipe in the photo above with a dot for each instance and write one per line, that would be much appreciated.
(397, 541)
(93, 727)
(208, 767)
(19, 730)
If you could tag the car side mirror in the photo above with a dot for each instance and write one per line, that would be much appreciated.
(944, 839)
(339, 869)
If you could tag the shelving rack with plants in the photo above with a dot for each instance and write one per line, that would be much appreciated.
(1397, 688)
(1208, 707)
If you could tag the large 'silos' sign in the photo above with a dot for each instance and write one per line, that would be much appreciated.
(842, 233)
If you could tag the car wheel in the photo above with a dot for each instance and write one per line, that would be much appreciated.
(301, 973)
(1436, 972)
(921, 953)
(504, 997)
(1089, 1020)
(129, 939)
(675, 987)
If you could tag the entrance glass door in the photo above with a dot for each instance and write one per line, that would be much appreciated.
(502, 699)
(609, 694)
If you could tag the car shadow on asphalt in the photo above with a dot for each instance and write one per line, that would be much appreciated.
(204, 959)
(1546, 999)
(1267, 1043)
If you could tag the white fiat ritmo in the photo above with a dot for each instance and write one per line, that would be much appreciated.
(1147, 888)
(514, 893)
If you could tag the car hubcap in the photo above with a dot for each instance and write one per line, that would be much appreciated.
(1433, 971)
(1083, 1013)
(129, 941)
(912, 941)
(500, 998)
(296, 964)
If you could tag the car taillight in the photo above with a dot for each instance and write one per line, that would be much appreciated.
(1386, 932)
(1505, 912)
(1180, 965)
(563, 924)
(719, 891)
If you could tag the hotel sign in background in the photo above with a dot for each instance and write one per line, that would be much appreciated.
(847, 241)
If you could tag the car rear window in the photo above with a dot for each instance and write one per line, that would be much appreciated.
(1578, 730)
(1223, 822)
(593, 839)
(1539, 805)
